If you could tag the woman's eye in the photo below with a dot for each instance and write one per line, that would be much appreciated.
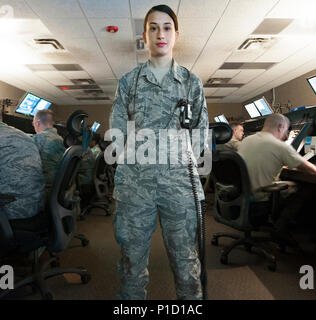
(167, 28)
(152, 28)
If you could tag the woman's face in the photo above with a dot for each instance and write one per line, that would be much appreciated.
(160, 35)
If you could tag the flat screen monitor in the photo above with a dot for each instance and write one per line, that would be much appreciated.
(95, 126)
(263, 106)
(252, 110)
(312, 82)
(31, 103)
(222, 118)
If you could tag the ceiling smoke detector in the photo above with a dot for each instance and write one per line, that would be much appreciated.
(256, 43)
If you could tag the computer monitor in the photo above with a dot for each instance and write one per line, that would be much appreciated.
(263, 106)
(95, 126)
(252, 110)
(220, 118)
(312, 82)
(31, 103)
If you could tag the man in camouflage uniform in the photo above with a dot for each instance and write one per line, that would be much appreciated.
(20, 174)
(50, 145)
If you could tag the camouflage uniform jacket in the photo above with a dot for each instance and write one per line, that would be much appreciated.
(20, 173)
(51, 148)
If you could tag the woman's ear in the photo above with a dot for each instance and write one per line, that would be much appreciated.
(177, 35)
(144, 37)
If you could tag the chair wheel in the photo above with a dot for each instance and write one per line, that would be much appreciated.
(224, 259)
(214, 241)
(48, 296)
(84, 242)
(85, 278)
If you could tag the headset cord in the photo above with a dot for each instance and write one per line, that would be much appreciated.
(200, 213)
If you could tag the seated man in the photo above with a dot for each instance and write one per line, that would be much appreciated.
(21, 176)
(265, 154)
(94, 145)
(50, 145)
(238, 133)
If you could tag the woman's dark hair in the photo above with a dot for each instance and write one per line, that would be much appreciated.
(162, 8)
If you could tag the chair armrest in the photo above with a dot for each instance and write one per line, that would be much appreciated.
(275, 187)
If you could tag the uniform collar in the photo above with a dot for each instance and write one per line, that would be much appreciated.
(175, 71)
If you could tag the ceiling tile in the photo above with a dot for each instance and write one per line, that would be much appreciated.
(68, 28)
(202, 9)
(54, 77)
(56, 8)
(105, 8)
(140, 8)
(16, 9)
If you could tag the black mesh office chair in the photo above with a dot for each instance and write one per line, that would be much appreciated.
(233, 206)
(55, 235)
(103, 178)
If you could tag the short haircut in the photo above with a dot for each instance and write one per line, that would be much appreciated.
(274, 120)
(165, 9)
(234, 125)
(46, 117)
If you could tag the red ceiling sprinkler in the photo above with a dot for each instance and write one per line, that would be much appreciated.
(112, 29)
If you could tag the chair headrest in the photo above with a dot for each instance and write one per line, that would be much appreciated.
(75, 122)
(221, 131)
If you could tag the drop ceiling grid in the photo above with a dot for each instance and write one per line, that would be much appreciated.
(140, 7)
(105, 8)
(199, 9)
(245, 76)
(299, 66)
(75, 74)
(292, 8)
(56, 78)
(74, 28)
(98, 70)
(210, 91)
(244, 55)
(85, 50)
(225, 91)
(227, 36)
(284, 48)
(122, 63)
(56, 8)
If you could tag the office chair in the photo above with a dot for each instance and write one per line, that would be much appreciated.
(54, 236)
(103, 178)
(234, 207)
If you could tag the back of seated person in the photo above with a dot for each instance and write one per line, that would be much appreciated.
(50, 145)
(21, 176)
(94, 145)
(238, 134)
(85, 177)
(265, 153)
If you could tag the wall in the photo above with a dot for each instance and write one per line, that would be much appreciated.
(292, 94)
(99, 113)
(232, 111)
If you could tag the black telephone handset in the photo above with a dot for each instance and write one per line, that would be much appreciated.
(185, 113)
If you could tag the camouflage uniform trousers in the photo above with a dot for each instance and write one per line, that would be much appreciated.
(140, 192)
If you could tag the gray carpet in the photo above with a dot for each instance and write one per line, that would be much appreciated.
(245, 277)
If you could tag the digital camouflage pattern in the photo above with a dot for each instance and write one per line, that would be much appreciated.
(51, 148)
(141, 190)
(20, 173)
